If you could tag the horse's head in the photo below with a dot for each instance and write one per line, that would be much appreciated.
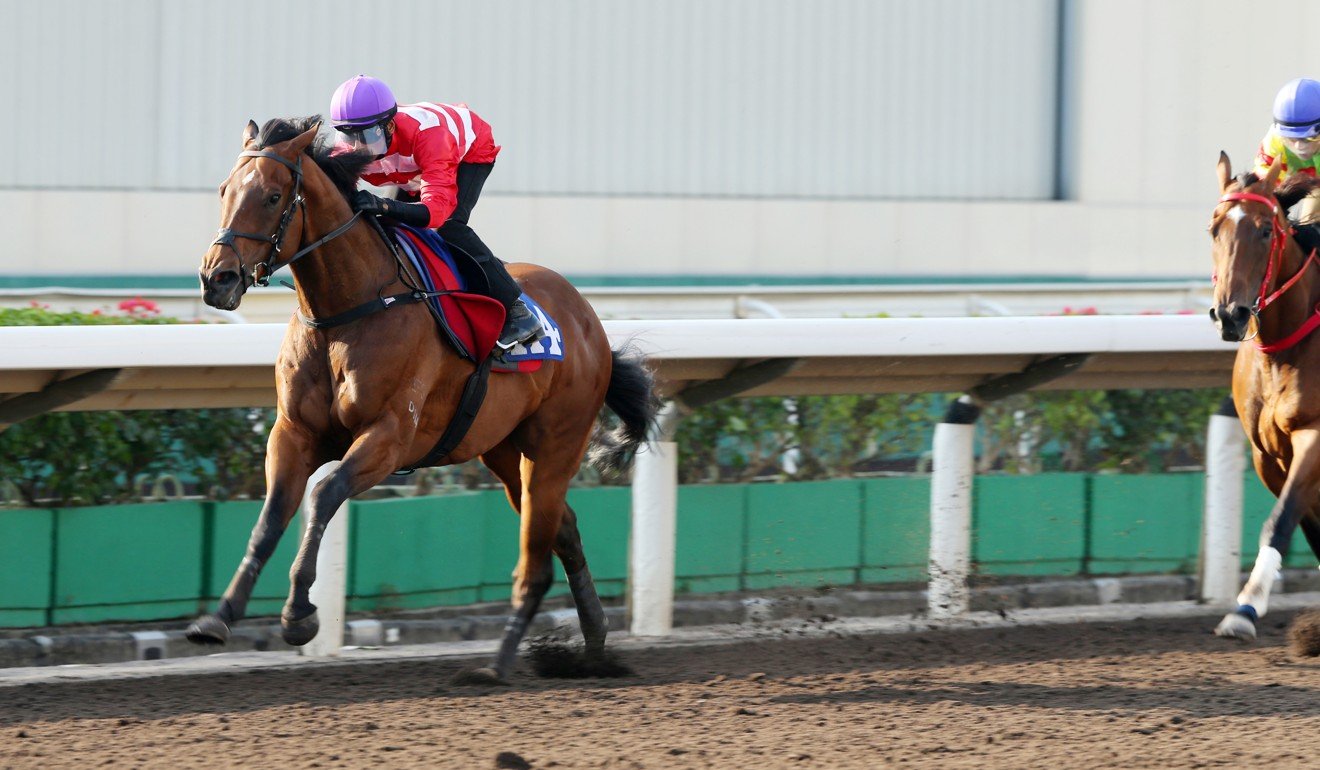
(1250, 234)
(258, 203)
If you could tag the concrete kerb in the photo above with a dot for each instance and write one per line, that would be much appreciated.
(696, 636)
(690, 616)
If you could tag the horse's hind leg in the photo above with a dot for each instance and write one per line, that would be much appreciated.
(544, 484)
(1311, 529)
(289, 461)
(591, 614)
(1296, 500)
(504, 461)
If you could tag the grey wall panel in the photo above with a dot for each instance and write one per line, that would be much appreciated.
(941, 99)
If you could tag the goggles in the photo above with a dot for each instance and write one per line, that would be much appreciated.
(370, 138)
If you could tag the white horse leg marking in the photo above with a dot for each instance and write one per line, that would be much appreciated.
(1254, 600)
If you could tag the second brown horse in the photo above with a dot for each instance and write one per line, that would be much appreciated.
(1267, 296)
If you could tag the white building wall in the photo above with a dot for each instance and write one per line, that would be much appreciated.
(1161, 87)
(759, 98)
(1153, 91)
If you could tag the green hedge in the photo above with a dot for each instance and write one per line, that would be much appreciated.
(90, 458)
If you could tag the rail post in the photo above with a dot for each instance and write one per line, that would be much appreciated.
(951, 510)
(330, 589)
(1221, 531)
(654, 530)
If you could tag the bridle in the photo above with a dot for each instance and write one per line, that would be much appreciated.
(1278, 244)
(263, 270)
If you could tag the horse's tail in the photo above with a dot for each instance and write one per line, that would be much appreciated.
(631, 396)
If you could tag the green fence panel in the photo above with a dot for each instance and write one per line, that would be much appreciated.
(1257, 502)
(416, 552)
(26, 539)
(128, 562)
(499, 549)
(895, 529)
(712, 521)
(604, 519)
(231, 526)
(1029, 525)
(803, 534)
(1146, 523)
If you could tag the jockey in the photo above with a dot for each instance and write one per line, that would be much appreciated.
(438, 155)
(1295, 134)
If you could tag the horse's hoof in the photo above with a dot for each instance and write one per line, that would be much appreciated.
(1235, 626)
(300, 632)
(208, 630)
(482, 677)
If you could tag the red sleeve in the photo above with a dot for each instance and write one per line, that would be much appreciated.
(1263, 159)
(437, 155)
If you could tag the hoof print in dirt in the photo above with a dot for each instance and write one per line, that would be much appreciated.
(553, 658)
(481, 677)
(507, 760)
(1304, 634)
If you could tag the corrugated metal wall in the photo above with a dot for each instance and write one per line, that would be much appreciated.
(938, 99)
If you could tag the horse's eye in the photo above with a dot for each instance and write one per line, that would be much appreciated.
(272, 200)
(1266, 232)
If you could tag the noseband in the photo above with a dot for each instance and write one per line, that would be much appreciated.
(225, 236)
(1278, 243)
(264, 269)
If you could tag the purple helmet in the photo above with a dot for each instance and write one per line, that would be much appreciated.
(362, 101)
(1297, 109)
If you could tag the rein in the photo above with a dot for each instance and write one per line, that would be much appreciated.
(264, 269)
(1278, 244)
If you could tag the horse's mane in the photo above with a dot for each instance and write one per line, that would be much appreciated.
(1296, 187)
(343, 167)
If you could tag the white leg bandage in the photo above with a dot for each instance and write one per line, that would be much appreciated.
(1256, 592)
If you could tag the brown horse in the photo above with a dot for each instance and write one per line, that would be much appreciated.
(1267, 296)
(377, 392)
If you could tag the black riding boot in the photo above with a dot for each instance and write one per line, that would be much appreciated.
(520, 326)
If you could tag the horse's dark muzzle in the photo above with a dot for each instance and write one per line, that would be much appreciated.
(222, 289)
(1232, 321)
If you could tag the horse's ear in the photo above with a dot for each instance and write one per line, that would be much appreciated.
(304, 140)
(1225, 171)
(249, 133)
(1276, 168)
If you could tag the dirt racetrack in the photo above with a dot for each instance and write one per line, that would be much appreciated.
(1142, 694)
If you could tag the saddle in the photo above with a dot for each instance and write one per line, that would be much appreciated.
(469, 321)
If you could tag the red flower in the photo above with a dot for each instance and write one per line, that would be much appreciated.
(137, 305)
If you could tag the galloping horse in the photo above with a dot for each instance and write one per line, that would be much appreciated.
(376, 392)
(1267, 296)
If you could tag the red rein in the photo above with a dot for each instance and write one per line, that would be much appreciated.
(1278, 242)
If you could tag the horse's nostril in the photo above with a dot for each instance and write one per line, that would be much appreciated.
(1213, 316)
(224, 279)
(1241, 314)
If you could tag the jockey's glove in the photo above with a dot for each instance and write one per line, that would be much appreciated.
(415, 214)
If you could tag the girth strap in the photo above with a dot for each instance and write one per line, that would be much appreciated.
(474, 393)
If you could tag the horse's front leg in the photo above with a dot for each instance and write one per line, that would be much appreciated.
(372, 457)
(1296, 500)
(289, 461)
